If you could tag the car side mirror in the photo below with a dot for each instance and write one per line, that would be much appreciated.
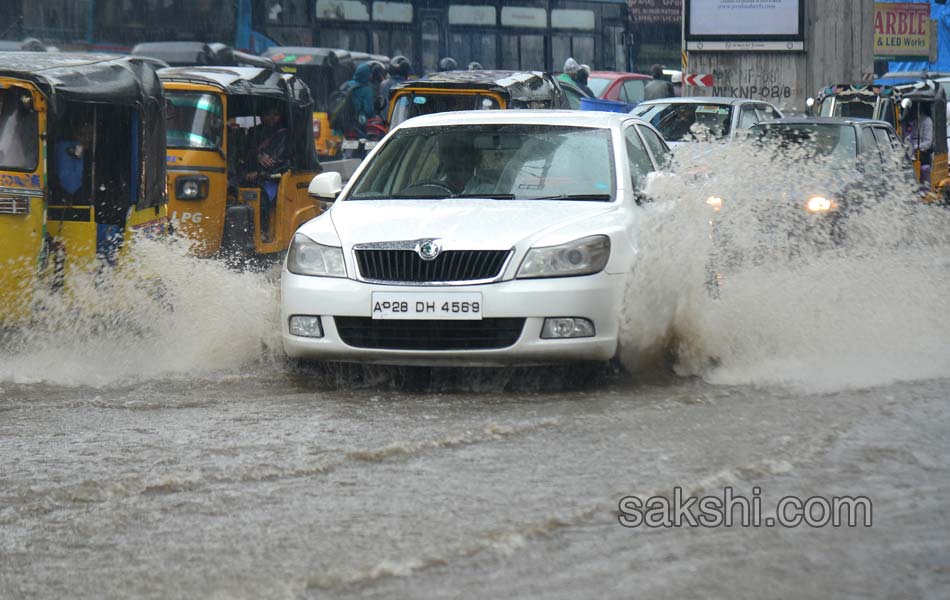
(326, 186)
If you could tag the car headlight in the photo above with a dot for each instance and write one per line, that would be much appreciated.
(192, 187)
(585, 256)
(306, 257)
(819, 204)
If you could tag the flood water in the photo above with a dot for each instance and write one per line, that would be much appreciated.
(155, 444)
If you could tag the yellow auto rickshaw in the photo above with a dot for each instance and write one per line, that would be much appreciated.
(240, 158)
(898, 101)
(82, 146)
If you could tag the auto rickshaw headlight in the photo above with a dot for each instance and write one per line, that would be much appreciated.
(818, 204)
(192, 187)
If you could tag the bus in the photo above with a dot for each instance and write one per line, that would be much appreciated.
(498, 34)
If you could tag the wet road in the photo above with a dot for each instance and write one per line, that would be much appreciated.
(274, 483)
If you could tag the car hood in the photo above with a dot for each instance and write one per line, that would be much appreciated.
(460, 224)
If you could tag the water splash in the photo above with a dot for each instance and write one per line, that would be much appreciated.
(761, 292)
(162, 313)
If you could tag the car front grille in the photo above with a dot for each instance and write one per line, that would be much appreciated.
(406, 266)
(385, 334)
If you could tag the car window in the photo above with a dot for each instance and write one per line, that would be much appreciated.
(891, 150)
(637, 157)
(869, 148)
(747, 117)
(659, 150)
(687, 121)
(633, 90)
(766, 112)
(598, 85)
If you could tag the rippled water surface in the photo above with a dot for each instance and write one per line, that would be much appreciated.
(155, 444)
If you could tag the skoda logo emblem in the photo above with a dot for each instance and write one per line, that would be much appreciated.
(428, 250)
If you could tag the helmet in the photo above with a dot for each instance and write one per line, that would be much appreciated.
(378, 71)
(400, 65)
(475, 66)
(571, 66)
(448, 64)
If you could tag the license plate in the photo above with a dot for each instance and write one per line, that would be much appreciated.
(350, 144)
(369, 145)
(455, 306)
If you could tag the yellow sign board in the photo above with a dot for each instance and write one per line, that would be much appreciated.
(902, 30)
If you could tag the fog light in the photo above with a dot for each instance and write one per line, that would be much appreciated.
(567, 327)
(306, 326)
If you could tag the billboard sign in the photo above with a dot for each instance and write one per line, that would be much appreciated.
(740, 25)
(902, 30)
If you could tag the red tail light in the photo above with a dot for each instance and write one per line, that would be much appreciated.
(316, 128)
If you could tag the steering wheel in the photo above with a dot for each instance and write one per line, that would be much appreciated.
(430, 185)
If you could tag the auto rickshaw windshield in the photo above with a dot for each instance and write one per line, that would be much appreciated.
(413, 105)
(19, 140)
(193, 120)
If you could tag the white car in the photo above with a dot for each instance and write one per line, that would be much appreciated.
(474, 238)
(681, 120)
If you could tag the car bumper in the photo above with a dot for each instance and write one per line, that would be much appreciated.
(595, 297)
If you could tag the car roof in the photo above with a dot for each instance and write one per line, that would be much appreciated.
(701, 100)
(823, 121)
(620, 75)
(571, 118)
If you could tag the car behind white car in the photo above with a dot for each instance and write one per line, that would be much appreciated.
(474, 238)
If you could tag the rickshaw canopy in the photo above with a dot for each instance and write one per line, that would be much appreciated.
(516, 86)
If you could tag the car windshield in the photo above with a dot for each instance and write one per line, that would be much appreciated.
(687, 121)
(421, 103)
(504, 162)
(19, 137)
(598, 85)
(193, 120)
(823, 141)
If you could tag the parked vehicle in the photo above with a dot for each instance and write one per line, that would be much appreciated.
(689, 119)
(617, 86)
(240, 156)
(474, 238)
(82, 166)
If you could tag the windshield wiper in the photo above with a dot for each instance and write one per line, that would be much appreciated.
(487, 196)
(601, 197)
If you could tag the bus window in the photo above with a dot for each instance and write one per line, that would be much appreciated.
(431, 38)
(525, 52)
